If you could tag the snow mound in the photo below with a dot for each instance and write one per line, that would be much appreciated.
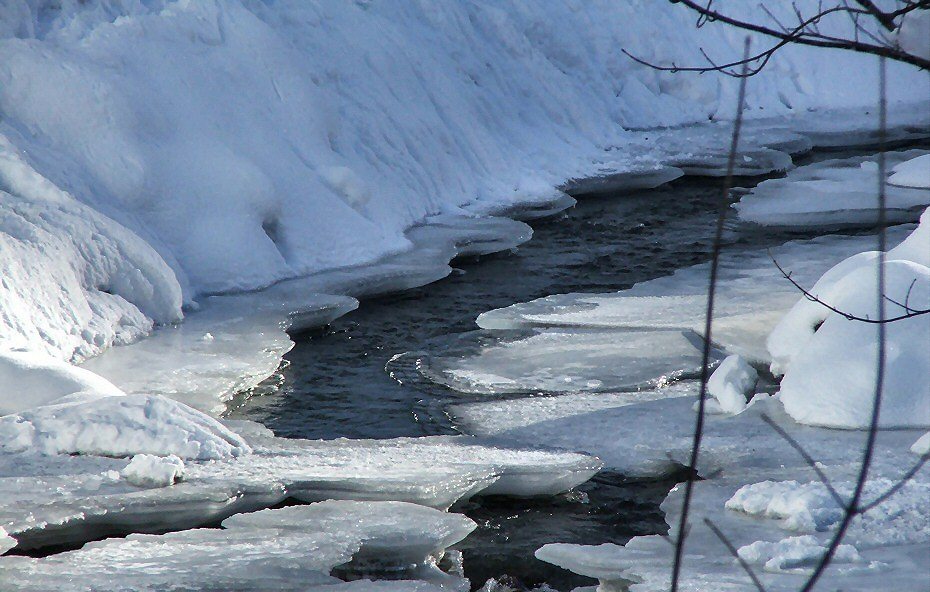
(831, 380)
(794, 553)
(912, 173)
(147, 470)
(840, 192)
(731, 382)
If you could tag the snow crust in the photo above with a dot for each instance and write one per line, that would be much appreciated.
(794, 553)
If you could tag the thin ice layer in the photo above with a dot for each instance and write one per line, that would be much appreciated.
(560, 361)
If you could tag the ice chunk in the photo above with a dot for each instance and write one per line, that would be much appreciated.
(833, 193)
(922, 445)
(309, 542)
(609, 181)
(731, 382)
(794, 553)
(600, 561)
(119, 426)
(555, 360)
(147, 470)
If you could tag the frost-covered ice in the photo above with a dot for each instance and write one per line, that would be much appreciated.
(840, 192)
(559, 361)
(295, 548)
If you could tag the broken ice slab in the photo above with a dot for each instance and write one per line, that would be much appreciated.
(834, 193)
(265, 550)
(394, 536)
(559, 361)
(602, 562)
(230, 345)
(59, 500)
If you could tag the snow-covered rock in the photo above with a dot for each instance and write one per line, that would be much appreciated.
(829, 362)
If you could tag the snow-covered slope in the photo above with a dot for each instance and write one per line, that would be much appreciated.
(245, 142)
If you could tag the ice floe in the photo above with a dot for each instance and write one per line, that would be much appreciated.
(839, 192)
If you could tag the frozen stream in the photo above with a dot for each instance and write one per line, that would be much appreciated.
(351, 381)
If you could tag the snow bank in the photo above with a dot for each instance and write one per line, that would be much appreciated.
(249, 142)
(829, 361)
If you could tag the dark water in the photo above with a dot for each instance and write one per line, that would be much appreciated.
(335, 383)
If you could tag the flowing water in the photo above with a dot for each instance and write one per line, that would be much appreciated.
(335, 382)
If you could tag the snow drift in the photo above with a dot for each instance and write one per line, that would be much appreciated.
(245, 142)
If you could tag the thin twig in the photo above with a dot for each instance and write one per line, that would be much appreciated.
(894, 488)
(847, 315)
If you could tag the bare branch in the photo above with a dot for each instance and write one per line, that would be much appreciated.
(849, 316)
(722, 207)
